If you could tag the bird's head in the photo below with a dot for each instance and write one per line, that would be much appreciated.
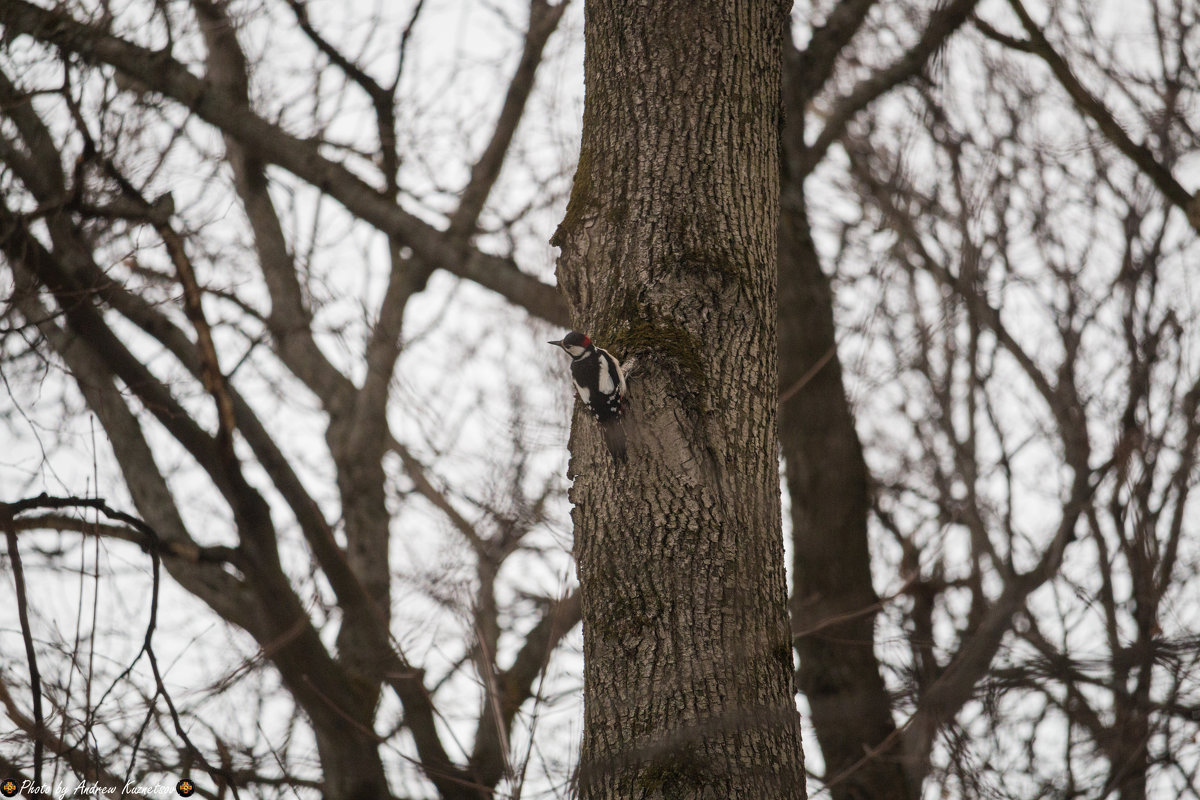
(575, 343)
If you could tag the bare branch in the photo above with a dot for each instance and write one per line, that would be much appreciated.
(515, 685)
(944, 22)
(1090, 105)
(807, 71)
(160, 73)
(543, 19)
(150, 543)
(35, 681)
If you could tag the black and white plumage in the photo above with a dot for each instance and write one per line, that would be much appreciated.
(600, 382)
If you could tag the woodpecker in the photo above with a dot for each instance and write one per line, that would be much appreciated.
(600, 382)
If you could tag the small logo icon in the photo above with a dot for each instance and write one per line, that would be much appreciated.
(8, 788)
(185, 788)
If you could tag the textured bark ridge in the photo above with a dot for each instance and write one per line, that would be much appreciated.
(669, 260)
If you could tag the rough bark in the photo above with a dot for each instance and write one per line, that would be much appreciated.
(669, 259)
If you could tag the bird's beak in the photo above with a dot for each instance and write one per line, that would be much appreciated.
(556, 344)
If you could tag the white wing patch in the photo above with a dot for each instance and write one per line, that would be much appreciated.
(606, 379)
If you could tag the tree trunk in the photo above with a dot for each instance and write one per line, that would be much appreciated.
(669, 261)
(834, 603)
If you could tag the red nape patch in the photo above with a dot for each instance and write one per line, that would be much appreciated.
(587, 340)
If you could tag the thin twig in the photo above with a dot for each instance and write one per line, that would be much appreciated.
(35, 680)
(152, 544)
(811, 373)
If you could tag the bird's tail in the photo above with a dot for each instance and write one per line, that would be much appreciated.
(614, 438)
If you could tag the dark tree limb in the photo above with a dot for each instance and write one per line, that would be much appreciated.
(150, 543)
(543, 20)
(78, 759)
(833, 599)
(945, 21)
(809, 69)
(944, 697)
(1093, 108)
(515, 685)
(158, 72)
(833, 602)
(35, 680)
